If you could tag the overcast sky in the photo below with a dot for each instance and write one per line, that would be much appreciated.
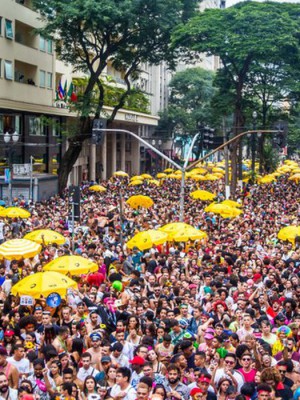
(231, 2)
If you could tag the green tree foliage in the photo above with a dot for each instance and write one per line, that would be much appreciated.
(89, 34)
(241, 36)
(191, 92)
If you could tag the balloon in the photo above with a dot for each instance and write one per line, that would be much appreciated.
(117, 285)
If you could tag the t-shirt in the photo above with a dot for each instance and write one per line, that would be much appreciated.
(130, 392)
(22, 366)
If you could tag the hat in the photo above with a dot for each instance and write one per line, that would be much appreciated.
(208, 336)
(147, 255)
(3, 351)
(195, 390)
(95, 336)
(204, 378)
(285, 330)
(210, 330)
(257, 277)
(280, 317)
(105, 359)
(9, 333)
(192, 286)
(137, 360)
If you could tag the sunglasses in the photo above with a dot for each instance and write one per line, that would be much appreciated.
(282, 371)
(229, 362)
(246, 359)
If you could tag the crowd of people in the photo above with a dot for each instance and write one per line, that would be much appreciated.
(217, 318)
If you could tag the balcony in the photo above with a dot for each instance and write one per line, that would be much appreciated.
(26, 73)
(24, 34)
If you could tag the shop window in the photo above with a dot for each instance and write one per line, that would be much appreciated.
(9, 34)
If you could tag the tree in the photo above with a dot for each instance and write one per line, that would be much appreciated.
(90, 34)
(191, 92)
(240, 36)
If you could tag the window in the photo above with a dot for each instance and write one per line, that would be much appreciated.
(0, 26)
(36, 126)
(8, 73)
(0, 68)
(9, 29)
(42, 43)
(56, 127)
(49, 46)
(49, 80)
(42, 78)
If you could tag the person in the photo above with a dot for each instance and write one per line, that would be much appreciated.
(87, 369)
(178, 390)
(228, 371)
(142, 391)
(10, 370)
(89, 387)
(19, 361)
(42, 384)
(122, 389)
(6, 392)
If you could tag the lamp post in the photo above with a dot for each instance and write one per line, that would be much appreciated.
(253, 143)
(10, 140)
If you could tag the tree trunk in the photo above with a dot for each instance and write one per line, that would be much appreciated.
(70, 157)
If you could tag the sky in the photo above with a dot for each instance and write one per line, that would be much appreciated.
(231, 2)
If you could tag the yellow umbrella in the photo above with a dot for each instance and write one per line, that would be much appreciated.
(146, 176)
(120, 173)
(187, 233)
(231, 203)
(168, 170)
(45, 236)
(217, 169)
(174, 227)
(97, 188)
(135, 183)
(17, 249)
(43, 284)
(146, 239)
(161, 175)
(140, 201)
(211, 177)
(198, 177)
(73, 265)
(154, 182)
(200, 171)
(295, 178)
(202, 195)
(14, 212)
(267, 179)
(174, 176)
(137, 178)
(224, 210)
(289, 233)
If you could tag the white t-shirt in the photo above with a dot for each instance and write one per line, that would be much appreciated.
(220, 373)
(83, 373)
(130, 392)
(22, 366)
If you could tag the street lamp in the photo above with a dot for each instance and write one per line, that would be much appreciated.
(253, 143)
(10, 140)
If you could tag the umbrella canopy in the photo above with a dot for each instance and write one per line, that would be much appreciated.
(217, 169)
(14, 212)
(136, 182)
(203, 195)
(168, 170)
(224, 210)
(198, 177)
(211, 177)
(161, 175)
(140, 201)
(200, 171)
(137, 178)
(289, 233)
(146, 239)
(45, 236)
(97, 188)
(174, 227)
(187, 233)
(43, 284)
(231, 203)
(17, 249)
(295, 178)
(267, 179)
(121, 173)
(154, 182)
(146, 176)
(73, 265)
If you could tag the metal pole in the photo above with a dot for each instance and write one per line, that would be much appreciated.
(182, 185)
(31, 172)
(73, 224)
(10, 176)
(121, 218)
(227, 186)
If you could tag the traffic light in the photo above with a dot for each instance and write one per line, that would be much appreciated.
(97, 133)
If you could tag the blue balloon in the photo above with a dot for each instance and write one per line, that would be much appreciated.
(53, 300)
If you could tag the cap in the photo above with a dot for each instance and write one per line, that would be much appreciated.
(183, 323)
(9, 333)
(204, 378)
(192, 286)
(208, 336)
(195, 390)
(95, 336)
(137, 360)
(105, 359)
